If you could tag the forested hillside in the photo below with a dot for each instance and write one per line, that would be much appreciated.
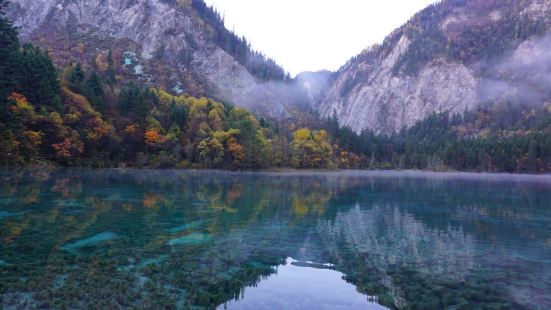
(79, 117)
(181, 46)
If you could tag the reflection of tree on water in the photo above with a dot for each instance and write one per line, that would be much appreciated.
(394, 237)
(384, 238)
(199, 238)
(142, 211)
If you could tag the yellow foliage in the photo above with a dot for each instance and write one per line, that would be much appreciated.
(321, 136)
(34, 137)
(56, 119)
(81, 112)
(303, 134)
(132, 128)
(21, 103)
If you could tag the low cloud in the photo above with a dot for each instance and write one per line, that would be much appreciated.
(522, 76)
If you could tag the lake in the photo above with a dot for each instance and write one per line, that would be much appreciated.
(160, 239)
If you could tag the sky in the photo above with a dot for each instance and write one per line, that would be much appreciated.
(311, 35)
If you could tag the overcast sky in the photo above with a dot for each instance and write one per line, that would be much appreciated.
(310, 35)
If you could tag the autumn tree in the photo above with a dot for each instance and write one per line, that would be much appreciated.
(311, 149)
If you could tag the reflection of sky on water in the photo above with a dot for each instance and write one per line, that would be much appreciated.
(192, 238)
(302, 287)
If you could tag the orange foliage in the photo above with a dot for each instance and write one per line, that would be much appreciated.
(68, 148)
(236, 150)
(152, 137)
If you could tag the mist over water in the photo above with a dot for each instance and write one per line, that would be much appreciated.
(122, 238)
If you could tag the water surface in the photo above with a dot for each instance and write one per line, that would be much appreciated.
(339, 240)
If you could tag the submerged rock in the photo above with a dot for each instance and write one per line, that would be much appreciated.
(185, 227)
(194, 238)
(75, 246)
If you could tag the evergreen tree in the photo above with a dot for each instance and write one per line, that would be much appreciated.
(76, 79)
(9, 47)
(37, 78)
(94, 92)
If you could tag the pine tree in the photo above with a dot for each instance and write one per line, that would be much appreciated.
(37, 78)
(95, 93)
(9, 47)
(76, 79)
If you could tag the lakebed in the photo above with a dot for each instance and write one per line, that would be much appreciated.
(80, 238)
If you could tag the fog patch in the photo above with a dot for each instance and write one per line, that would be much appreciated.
(522, 76)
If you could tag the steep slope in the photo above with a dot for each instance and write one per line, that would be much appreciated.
(452, 56)
(180, 45)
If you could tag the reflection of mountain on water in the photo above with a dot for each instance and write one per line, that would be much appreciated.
(193, 238)
(393, 237)
(381, 239)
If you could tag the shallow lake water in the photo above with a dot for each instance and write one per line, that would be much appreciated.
(162, 239)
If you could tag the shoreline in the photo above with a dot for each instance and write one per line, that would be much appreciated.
(406, 173)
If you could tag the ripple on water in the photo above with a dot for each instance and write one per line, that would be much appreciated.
(6, 214)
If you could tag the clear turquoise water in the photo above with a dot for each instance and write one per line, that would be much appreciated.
(350, 240)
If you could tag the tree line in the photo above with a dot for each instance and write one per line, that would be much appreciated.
(497, 138)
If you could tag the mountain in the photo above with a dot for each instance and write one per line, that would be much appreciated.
(179, 45)
(453, 56)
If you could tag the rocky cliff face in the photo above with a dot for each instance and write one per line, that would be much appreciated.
(163, 43)
(452, 56)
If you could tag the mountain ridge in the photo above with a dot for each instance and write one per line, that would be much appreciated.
(453, 56)
(442, 60)
(172, 44)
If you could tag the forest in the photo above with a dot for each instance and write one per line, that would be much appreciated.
(75, 116)
(496, 138)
